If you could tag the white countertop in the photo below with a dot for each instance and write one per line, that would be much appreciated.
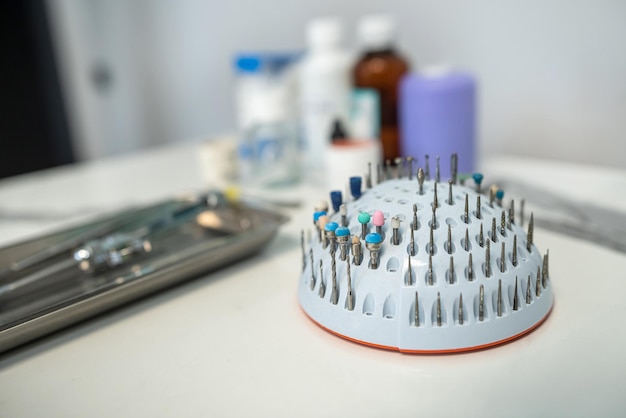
(235, 343)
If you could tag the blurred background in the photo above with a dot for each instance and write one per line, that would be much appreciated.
(87, 79)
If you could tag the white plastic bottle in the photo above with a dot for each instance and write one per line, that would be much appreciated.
(325, 90)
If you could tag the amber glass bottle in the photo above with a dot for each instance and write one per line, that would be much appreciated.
(380, 67)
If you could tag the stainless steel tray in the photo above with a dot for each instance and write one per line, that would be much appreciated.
(47, 284)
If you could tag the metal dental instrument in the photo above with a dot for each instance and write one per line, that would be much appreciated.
(322, 289)
(487, 260)
(409, 273)
(430, 273)
(416, 315)
(466, 242)
(426, 167)
(515, 297)
(478, 214)
(481, 303)
(449, 242)
(334, 295)
(528, 291)
(493, 229)
(357, 250)
(503, 259)
(368, 179)
(470, 268)
(514, 253)
(450, 199)
(431, 243)
(378, 219)
(373, 243)
(437, 172)
(435, 199)
(521, 212)
(438, 309)
(414, 223)
(451, 275)
(499, 301)
(466, 209)
(481, 236)
(412, 251)
(454, 167)
(461, 309)
(395, 225)
(343, 211)
(363, 219)
(420, 180)
(538, 283)
(342, 234)
(350, 295)
(511, 213)
(529, 236)
(312, 269)
(503, 223)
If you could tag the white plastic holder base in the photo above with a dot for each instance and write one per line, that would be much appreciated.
(383, 314)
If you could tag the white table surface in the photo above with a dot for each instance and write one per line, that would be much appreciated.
(235, 343)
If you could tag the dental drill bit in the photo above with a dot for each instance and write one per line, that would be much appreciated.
(378, 219)
(398, 162)
(514, 253)
(395, 226)
(450, 199)
(511, 214)
(409, 274)
(373, 244)
(466, 240)
(487, 260)
(420, 180)
(350, 296)
(334, 295)
(499, 301)
(409, 161)
(538, 283)
(515, 297)
(470, 268)
(414, 223)
(503, 259)
(323, 220)
(435, 199)
(466, 209)
(357, 250)
(330, 229)
(481, 303)
(416, 315)
(433, 222)
(529, 236)
(454, 167)
(451, 275)
(368, 178)
(438, 309)
(429, 273)
(363, 219)
(478, 179)
(412, 251)
(322, 290)
(342, 235)
(544, 270)
(493, 229)
(427, 167)
(437, 172)
(449, 242)
(481, 236)
(528, 291)
(492, 196)
(521, 212)
(431, 243)
(303, 249)
(461, 309)
(312, 272)
(503, 223)
(478, 214)
(343, 211)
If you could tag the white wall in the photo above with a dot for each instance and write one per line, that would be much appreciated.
(552, 74)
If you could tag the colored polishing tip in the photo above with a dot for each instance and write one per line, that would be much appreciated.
(317, 214)
(499, 194)
(355, 187)
(331, 226)
(336, 199)
(364, 217)
(373, 238)
(342, 231)
(378, 218)
(478, 178)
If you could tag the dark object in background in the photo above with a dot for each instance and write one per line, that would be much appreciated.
(34, 132)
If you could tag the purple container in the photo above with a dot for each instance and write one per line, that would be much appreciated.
(438, 117)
